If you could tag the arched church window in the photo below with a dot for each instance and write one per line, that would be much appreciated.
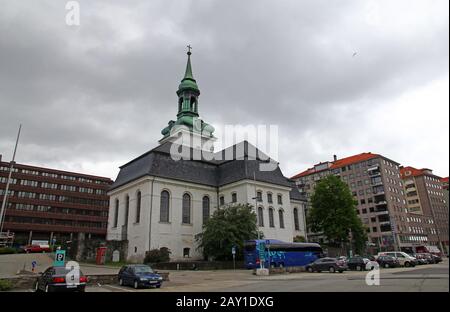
(127, 210)
(271, 218)
(186, 209)
(206, 209)
(164, 207)
(281, 217)
(138, 207)
(260, 217)
(296, 223)
(116, 213)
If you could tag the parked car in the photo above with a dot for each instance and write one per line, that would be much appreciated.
(361, 264)
(37, 248)
(54, 279)
(436, 258)
(139, 275)
(423, 258)
(404, 259)
(388, 262)
(327, 264)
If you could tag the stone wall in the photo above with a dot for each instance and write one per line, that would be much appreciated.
(198, 265)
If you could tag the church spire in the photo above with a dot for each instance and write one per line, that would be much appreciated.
(188, 83)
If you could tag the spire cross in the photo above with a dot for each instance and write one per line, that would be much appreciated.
(189, 49)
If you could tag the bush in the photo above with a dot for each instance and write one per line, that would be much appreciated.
(7, 250)
(157, 255)
(299, 239)
(5, 285)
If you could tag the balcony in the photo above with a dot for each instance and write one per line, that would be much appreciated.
(383, 202)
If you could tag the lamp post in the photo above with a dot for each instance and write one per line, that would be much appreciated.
(5, 196)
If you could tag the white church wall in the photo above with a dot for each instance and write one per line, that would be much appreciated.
(174, 234)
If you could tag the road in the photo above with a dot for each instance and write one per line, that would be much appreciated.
(427, 278)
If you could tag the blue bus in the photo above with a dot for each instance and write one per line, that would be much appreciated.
(280, 254)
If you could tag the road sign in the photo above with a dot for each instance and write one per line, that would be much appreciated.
(33, 265)
(233, 250)
(60, 257)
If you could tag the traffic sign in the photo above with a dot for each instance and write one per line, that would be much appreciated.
(60, 257)
(233, 250)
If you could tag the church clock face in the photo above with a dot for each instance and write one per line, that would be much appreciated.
(198, 124)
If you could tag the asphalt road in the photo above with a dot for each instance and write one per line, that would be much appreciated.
(427, 278)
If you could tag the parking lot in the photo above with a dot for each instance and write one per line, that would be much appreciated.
(433, 277)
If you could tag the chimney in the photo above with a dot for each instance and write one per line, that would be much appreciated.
(334, 157)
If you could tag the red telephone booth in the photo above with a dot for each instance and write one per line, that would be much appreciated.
(101, 255)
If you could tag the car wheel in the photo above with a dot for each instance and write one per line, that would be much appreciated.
(158, 286)
(310, 270)
(358, 268)
(386, 265)
(120, 282)
(407, 264)
(136, 285)
(332, 270)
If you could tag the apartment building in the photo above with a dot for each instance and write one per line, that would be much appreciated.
(53, 205)
(426, 200)
(376, 184)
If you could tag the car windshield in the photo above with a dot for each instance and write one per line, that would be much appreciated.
(143, 269)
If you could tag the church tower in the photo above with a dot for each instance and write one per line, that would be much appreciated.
(193, 130)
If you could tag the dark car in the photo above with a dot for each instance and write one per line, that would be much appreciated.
(139, 275)
(60, 279)
(359, 263)
(436, 258)
(388, 262)
(327, 264)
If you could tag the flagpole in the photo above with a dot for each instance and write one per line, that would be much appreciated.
(5, 196)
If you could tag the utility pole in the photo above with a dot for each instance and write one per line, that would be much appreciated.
(5, 196)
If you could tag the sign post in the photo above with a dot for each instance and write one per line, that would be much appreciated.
(60, 258)
(233, 252)
(262, 249)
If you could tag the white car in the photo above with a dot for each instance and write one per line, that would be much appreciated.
(404, 259)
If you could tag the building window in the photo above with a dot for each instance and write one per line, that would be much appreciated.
(205, 208)
(127, 208)
(186, 209)
(186, 252)
(260, 217)
(296, 222)
(271, 219)
(280, 199)
(164, 207)
(259, 196)
(138, 206)
(233, 197)
(269, 198)
(221, 200)
(116, 213)
(281, 217)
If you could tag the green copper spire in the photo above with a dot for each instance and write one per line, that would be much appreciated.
(188, 93)
(188, 82)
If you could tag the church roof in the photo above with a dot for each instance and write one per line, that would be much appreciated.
(158, 162)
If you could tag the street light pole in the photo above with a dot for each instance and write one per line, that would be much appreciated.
(5, 196)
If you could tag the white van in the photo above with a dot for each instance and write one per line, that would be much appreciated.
(404, 259)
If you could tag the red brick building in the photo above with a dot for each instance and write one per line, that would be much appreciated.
(48, 204)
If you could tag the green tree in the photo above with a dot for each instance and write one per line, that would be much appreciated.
(333, 213)
(299, 239)
(229, 226)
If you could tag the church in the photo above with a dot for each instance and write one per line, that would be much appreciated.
(163, 197)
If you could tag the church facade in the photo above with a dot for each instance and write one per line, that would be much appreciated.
(159, 200)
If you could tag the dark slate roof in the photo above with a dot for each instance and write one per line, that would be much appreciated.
(217, 172)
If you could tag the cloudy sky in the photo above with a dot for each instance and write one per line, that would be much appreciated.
(94, 96)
